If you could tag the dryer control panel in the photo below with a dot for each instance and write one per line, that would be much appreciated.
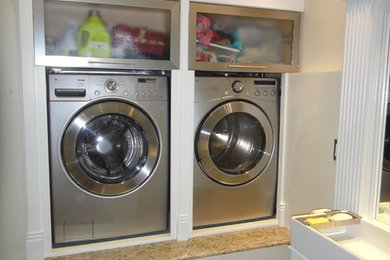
(66, 87)
(258, 87)
(209, 88)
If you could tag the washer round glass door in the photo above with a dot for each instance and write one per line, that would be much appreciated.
(110, 148)
(234, 143)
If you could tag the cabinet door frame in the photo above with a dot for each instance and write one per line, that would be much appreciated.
(112, 63)
(246, 12)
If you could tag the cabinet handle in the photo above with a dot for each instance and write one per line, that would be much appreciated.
(335, 149)
(98, 72)
(111, 62)
(247, 66)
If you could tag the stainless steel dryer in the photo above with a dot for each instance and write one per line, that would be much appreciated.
(108, 156)
(236, 149)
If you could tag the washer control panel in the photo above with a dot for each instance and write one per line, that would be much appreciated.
(88, 87)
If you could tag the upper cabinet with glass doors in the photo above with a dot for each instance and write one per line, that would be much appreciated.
(241, 39)
(136, 34)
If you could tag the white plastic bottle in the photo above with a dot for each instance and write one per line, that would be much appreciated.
(67, 46)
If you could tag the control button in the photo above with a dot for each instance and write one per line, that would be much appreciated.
(155, 93)
(257, 93)
(265, 93)
(97, 92)
(136, 93)
(143, 93)
(126, 92)
(227, 92)
(149, 93)
(272, 93)
(237, 86)
(111, 85)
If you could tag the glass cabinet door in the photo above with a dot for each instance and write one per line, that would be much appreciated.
(226, 38)
(97, 33)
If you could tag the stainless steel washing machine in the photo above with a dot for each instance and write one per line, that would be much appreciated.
(108, 155)
(236, 149)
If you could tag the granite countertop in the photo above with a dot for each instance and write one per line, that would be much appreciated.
(194, 247)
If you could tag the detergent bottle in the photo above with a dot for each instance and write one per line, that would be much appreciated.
(93, 39)
(68, 44)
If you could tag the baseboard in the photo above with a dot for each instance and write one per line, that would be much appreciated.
(183, 229)
(282, 214)
(34, 246)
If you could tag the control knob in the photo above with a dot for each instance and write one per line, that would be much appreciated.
(237, 86)
(111, 85)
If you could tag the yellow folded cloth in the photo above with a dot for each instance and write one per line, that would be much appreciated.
(319, 220)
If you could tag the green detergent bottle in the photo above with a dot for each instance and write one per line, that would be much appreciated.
(93, 39)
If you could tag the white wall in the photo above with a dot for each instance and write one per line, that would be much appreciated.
(12, 178)
(312, 101)
(322, 35)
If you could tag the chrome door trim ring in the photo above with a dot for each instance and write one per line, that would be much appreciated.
(75, 126)
(203, 137)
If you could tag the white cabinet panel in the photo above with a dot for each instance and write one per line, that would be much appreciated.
(312, 119)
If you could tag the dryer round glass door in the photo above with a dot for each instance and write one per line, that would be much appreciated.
(110, 148)
(234, 143)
